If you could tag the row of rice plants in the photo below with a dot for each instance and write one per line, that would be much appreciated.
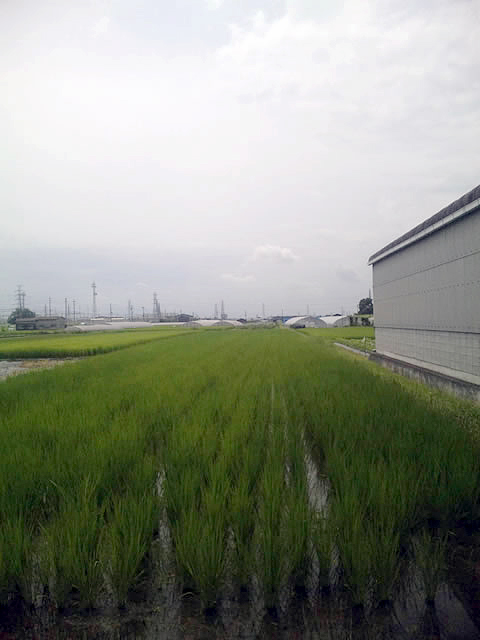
(86, 344)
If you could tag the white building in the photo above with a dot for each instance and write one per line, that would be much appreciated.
(426, 292)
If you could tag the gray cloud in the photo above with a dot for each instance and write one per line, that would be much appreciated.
(327, 127)
(272, 253)
(230, 277)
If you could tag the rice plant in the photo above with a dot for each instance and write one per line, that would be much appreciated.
(126, 539)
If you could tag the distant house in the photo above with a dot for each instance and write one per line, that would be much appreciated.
(40, 322)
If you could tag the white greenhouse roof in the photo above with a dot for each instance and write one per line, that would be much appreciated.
(332, 320)
(214, 323)
(310, 321)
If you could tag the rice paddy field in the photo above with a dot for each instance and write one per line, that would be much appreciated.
(362, 338)
(236, 484)
(62, 345)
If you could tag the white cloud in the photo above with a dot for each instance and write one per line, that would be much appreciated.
(272, 253)
(101, 27)
(230, 277)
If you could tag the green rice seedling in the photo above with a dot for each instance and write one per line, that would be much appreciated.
(200, 544)
(429, 554)
(16, 544)
(356, 546)
(270, 537)
(242, 521)
(126, 539)
(73, 546)
(323, 533)
(297, 531)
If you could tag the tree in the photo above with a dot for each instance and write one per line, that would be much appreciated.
(20, 313)
(365, 306)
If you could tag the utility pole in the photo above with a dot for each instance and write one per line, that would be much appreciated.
(143, 313)
(66, 314)
(223, 315)
(110, 311)
(94, 301)
(74, 312)
(49, 306)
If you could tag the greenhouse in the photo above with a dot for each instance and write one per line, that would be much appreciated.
(336, 321)
(213, 323)
(305, 322)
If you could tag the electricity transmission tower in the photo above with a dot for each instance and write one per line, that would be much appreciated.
(94, 301)
(156, 308)
(20, 295)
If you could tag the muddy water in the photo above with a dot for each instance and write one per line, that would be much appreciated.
(16, 367)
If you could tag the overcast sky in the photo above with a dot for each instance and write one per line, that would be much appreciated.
(255, 151)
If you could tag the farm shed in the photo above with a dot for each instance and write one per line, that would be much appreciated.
(426, 292)
(336, 321)
(303, 322)
(118, 325)
(40, 322)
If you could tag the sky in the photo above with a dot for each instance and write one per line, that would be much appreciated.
(251, 151)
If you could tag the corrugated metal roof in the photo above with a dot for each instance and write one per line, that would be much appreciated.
(465, 200)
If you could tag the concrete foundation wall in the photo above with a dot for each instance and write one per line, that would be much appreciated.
(427, 376)
(451, 353)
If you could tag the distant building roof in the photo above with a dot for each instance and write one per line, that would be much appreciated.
(463, 206)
